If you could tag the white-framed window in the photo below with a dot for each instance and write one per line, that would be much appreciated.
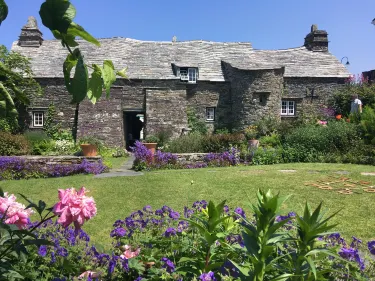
(38, 118)
(288, 107)
(210, 113)
(188, 74)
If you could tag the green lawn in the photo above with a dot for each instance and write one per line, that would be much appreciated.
(117, 197)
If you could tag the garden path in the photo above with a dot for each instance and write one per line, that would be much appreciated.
(123, 171)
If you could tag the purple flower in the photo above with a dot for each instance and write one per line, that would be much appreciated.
(170, 232)
(240, 212)
(147, 209)
(226, 209)
(182, 225)
(355, 243)
(168, 265)
(174, 215)
(352, 254)
(42, 251)
(207, 276)
(371, 247)
(118, 232)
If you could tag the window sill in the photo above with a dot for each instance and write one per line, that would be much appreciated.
(210, 121)
(289, 116)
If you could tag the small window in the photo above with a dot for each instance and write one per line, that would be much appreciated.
(210, 113)
(189, 75)
(288, 107)
(38, 119)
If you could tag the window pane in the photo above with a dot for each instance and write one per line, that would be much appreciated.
(192, 75)
(291, 108)
(210, 113)
(38, 119)
(283, 107)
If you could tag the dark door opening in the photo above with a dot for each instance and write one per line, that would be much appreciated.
(133, 127)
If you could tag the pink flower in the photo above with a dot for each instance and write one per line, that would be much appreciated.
(128, 254)
(90, 274)
(74, 207)
(15, 213)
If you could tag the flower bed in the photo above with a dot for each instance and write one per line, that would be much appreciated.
(204, 242)
(144, 159)
(35, 167)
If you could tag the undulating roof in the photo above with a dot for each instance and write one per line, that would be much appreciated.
(154, 60)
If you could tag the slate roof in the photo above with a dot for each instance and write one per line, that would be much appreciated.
(154, 60)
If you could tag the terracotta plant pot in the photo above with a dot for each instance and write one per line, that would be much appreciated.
(253, 143)
(338, 116)
(151, 146)
(89, 149)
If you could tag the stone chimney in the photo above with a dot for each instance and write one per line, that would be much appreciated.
(317, 40)
(30, 34)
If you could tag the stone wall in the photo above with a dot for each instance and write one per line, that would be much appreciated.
(255, 94)
(104, 119)
(300, 90)
(165, 110)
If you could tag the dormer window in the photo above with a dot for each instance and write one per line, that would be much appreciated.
(188, 74)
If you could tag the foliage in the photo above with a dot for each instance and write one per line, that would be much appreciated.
(206, 241)
(13, 144)
(355, 85)
(8, 124)
(272, 140)
(227, 158)
(151, 139)
(335, 137)
(51, 127)
(163, 136)
(368, 124)
(20, 168)
(196, 124)
(20, 237)
(251, 132)
(89, 139)
(188, 143)
(267, 156)
(222, 131)
(15, 77)
(220, 143)
(267, 125)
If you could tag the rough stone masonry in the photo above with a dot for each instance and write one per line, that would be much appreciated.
(228, 84)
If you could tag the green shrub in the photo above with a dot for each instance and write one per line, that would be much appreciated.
(8, 125)
(13, 144)
(267, 156)
(43, 147)
(163, 136)
(221, 143)
(151, 139)
(222, 131)
(336, 136)
(185, 144)
(196, 124)
(272, 140)
(267, 125)
(368, 124)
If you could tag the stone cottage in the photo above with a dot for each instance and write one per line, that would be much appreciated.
(228, 85)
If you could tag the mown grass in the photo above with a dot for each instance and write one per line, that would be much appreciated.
(118, 197)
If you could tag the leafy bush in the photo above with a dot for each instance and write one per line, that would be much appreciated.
(163, 136)
(151, 139)
(335, 137)
(267, 156)
(51, 127)
(13, 144)
(368, 124)
(196, 124)
(221, 143)
(188, 143)
(267, 125)
(272, 140)
(19, 168)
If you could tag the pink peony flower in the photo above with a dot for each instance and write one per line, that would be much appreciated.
(15, 213)
(128, 254)
(90, 274)
(74, 207)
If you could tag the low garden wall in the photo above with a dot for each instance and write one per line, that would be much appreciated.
(58, 160)
(190, 157)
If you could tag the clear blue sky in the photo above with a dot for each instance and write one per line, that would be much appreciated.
(267, 24)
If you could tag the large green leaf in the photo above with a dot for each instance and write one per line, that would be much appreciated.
(108, 74)
(70, 62)
(57, 14)
(80, 82)
(3, 11)
(95, 85)
(122, 73)
(77, 30)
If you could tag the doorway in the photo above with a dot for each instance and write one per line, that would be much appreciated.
(133, 127)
